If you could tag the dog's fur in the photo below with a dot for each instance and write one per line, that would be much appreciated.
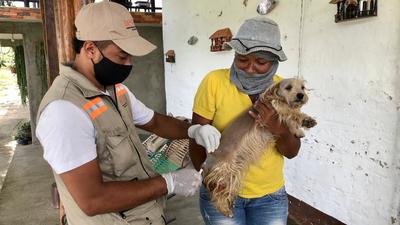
(244, 141)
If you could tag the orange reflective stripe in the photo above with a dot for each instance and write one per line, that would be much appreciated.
(98, 112)
(121, 92)
(95, 107)
(91, 103)
(120, 89)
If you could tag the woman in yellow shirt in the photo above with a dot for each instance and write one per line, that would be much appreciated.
(221, 97)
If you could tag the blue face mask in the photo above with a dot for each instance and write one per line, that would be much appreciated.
(108, 72)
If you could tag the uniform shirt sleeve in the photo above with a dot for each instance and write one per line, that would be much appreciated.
(67, 136)
(141, 113)
(205, 100)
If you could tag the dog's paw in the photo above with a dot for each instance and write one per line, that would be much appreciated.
(309, 122)
(299, 134)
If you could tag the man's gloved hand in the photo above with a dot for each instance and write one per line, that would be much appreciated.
(184, 182)
(206, 136)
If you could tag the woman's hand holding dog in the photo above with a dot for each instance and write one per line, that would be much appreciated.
(266, 116)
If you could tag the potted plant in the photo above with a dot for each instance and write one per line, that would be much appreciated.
(23, 135)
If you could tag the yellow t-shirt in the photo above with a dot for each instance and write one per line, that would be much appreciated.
(219, 100)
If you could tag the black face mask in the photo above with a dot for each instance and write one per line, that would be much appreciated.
(108, 72)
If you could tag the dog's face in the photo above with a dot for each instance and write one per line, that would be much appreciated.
(292, 91)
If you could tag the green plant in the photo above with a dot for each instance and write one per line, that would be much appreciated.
(6, 56)
(24, 132)
(21, 73)
(6, 3)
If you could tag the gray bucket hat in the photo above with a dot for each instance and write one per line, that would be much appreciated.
(257, 34)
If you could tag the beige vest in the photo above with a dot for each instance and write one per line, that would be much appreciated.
(120, 153)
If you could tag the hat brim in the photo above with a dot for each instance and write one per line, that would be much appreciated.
(136, 46)
(240, 49)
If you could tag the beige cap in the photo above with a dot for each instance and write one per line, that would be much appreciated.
(111, 21)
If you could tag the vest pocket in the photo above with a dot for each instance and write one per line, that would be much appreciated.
(122, 157)
(149, 213)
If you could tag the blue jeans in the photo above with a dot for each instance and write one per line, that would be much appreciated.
(271, 209)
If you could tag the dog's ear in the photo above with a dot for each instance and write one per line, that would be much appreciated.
(271, 93)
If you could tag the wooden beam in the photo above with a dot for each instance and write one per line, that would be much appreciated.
(16, 14)
(65, 17)
(59, 29)
(79, 3)
(304, 214)
(50, 39)
(147, 18)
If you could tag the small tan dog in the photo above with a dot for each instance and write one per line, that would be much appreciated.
(244, 141)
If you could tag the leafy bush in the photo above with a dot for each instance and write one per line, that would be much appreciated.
(21, 73)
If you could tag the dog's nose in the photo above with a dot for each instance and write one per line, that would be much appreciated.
(300, 96)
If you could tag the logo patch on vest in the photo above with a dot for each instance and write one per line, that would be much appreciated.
(95, 108)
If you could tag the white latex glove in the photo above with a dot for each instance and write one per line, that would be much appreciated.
(184, 182)
(206, 136)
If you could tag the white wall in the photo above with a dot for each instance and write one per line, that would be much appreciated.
(349, 165)
(183, 19)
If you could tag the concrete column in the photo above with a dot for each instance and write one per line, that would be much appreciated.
(36, 85)
(147, 79)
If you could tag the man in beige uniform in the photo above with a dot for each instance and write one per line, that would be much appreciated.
(87, 126)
